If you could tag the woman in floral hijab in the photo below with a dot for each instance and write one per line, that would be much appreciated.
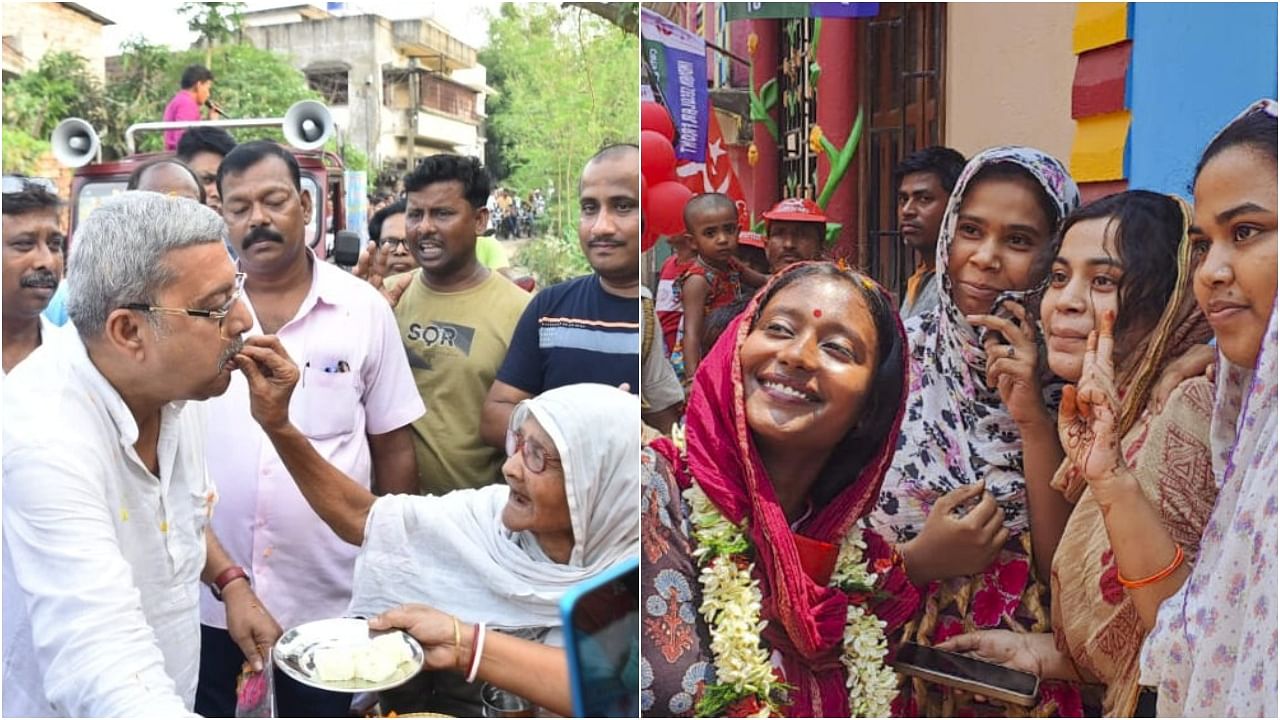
(955, 497)
(760, 593)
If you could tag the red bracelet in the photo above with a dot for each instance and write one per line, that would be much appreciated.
(1178, 557)
(225, 578)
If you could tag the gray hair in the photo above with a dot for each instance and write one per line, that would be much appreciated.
(120, 250)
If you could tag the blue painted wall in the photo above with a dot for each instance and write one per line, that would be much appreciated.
(1195, 67)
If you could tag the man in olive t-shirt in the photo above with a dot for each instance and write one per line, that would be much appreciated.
(456, 319)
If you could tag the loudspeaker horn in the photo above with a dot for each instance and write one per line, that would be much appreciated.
(75, 143)
(308, 125)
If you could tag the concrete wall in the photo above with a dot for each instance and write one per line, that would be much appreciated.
(1009, 68)
(362, 41)
(44, 27)
(1195, 66)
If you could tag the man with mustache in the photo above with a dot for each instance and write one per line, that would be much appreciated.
(33, 257)
(795, 230)
(456, 317)
(106, 494)
(924, 180)
(355, 402)
(586, 329)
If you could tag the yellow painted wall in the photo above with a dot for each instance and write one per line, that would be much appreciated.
(1008, 76)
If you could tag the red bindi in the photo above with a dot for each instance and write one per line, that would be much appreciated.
(817, 313)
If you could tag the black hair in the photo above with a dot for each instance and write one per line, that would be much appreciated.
(135, 178)
(708, 202)
(946, 164)
(1257, 130)
(375, 223)
(1005, 170)
(32, 198)
(444, 168)
(246, 155)
(719, 319)
(194, 75)
(880, 409)
(205, 139)
(613, 149)
(1147, 228)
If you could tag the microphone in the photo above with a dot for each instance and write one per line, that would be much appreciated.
(214, 107)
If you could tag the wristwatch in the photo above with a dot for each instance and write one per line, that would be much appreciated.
(225, 578)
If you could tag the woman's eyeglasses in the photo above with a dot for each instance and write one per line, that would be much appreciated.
(219, 314)
(389, 243)
(534, 455)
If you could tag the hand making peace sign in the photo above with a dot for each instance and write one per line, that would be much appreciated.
(1090, 411)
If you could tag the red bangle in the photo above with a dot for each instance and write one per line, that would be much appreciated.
(1178, 557)
(225, 578)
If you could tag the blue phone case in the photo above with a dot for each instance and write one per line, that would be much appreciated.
(567, 603)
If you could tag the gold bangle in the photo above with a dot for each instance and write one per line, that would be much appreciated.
(457, 636)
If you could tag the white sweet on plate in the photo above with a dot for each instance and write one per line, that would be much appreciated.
(373, 661)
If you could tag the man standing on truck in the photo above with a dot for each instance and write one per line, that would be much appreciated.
(197, 86)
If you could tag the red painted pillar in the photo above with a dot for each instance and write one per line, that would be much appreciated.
(764, 190)
(838, 101)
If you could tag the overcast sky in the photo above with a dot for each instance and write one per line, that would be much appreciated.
(159, 22)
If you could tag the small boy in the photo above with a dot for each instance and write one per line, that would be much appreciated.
(714, 280)
(666, 305)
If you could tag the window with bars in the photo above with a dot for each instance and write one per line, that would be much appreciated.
(799, 111)
(902, 64)
(331, 83)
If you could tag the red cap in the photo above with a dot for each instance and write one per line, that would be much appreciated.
(796, 210)
(751, 238)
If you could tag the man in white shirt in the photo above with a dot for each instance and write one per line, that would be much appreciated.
(106, 494)
(355, 403)
(32, 262)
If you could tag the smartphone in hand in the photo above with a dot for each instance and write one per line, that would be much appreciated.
(968, 673)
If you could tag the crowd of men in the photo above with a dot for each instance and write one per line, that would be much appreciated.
(154, 539)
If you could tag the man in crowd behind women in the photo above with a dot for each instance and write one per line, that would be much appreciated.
(1115, 536)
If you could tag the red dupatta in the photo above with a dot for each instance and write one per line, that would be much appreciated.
(806, 618)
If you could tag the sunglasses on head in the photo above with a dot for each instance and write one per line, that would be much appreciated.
(20, 183)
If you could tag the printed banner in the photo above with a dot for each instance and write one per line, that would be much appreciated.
(715, 173)
(783, 10)
(678, 61)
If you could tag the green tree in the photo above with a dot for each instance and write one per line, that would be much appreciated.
(566, 82)
(60, 87)
(215, 22)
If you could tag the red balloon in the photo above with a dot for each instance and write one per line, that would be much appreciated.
(656, 118)
(649, 239)
(666, 207)
(657, 157)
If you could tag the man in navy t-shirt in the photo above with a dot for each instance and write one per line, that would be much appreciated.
(586, 329)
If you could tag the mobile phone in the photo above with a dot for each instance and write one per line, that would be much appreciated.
(999, 310)
(602, 639)
(968, 673)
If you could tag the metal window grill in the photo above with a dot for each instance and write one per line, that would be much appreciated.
(799, 111)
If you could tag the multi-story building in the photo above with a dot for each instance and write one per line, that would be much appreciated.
(398, 89)
(32, 29)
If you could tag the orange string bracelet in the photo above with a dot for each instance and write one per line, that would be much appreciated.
(1178, 557)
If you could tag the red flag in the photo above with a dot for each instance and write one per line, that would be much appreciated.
(716, 174)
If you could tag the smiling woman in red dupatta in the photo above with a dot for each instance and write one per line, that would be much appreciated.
(761, 594)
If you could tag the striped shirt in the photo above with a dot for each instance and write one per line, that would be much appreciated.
(575, 332)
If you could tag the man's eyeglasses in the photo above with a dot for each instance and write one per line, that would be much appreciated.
(19, 183)
(534, 455)
(220, 314)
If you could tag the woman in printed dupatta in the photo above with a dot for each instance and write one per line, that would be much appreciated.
(979, 440)
(1124, 269)
(1212, 651)
(761, 595)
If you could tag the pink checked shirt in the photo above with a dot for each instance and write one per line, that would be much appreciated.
(355, 380)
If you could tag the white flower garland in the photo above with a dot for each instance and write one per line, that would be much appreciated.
(731, 607)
